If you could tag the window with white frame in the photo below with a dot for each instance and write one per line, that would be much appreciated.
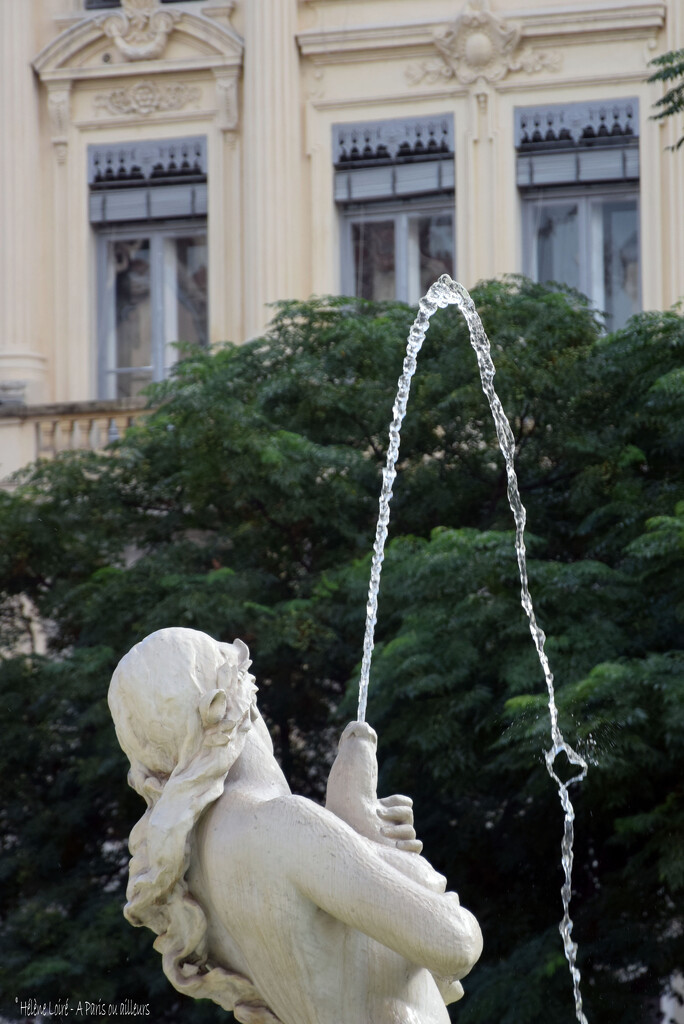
(394, 187)
(148, 204)
(578, 176)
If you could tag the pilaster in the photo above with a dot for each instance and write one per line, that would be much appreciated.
(272, 159)
(20, 197)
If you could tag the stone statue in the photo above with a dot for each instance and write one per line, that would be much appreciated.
(274, 907)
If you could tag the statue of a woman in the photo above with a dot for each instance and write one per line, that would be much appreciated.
(272, 906)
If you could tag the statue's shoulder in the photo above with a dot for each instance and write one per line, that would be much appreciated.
(262, 842)
(285, 829)
(262, 825)
(288, 813)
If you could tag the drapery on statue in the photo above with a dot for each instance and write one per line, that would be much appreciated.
(274, 907)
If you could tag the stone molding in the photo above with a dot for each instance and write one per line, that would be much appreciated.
(480, 46)
(91, 407)
(215, 45)
(212, 44)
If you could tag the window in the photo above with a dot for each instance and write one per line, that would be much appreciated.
(153, 292)
(394, 185)
(396, 251)
(588, 241)
(578, 174)
(148, 207)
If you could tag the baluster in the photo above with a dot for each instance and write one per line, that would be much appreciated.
(100, 432)
(46, 438)
(61, 435)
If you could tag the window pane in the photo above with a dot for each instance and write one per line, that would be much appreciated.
(132, 355)
(374, 269)
(190, 290)
(430, 252)
(555, 231)
(619, 241)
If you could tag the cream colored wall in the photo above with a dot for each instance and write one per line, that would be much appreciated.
(599, 51)
(270, 78)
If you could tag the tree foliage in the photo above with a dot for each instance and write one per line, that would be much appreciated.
(245, 506)
(670, 67)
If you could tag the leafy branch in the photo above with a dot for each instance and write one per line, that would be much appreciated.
(670, 70)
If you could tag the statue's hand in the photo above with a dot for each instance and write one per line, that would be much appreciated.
(396, 814)
(352, 793)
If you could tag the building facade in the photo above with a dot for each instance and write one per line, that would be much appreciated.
(171, 167)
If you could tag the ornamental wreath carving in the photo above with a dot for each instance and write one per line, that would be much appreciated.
(480, 45)
(145, 98)
(141, 30)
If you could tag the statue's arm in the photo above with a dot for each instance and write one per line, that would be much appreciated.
(352, 796)
(352, 793)
(348, 877)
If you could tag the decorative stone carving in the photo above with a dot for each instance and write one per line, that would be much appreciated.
(532, 61)
(145, 98)
(274, 907)
(59, 112)
(315, 82)
(480, 45)
(482, 97)
(141, 30)
(227, 102)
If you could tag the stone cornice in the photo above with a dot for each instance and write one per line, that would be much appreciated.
(140, 69)
(87, 408)
(641, 16)
(617, 17)
(340, 41)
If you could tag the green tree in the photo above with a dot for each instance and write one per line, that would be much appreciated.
(670, 71)
(245, 505)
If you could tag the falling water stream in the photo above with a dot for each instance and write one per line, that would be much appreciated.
(446, 292)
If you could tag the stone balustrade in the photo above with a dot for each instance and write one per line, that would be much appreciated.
(30, 432)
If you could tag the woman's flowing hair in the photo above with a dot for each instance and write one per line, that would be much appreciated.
(168, 698)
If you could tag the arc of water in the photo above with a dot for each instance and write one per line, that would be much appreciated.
(442, 293)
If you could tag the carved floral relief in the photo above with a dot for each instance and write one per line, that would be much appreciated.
(144, 98)
(480, 45)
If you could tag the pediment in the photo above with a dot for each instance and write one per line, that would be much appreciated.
(114, 43)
